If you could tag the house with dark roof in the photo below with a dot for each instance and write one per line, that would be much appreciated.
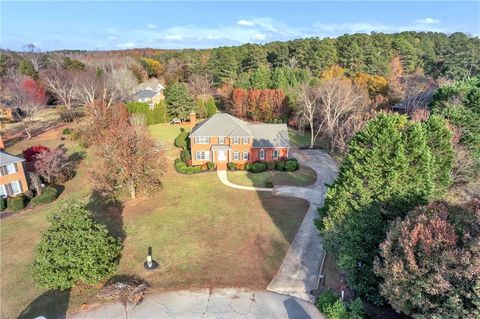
(150, 92)
(12, 174)
(224, 138)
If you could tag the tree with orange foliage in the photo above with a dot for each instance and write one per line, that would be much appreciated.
(395, 79)
(334, 71)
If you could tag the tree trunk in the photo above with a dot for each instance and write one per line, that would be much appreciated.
(133, 194)
(312, 137)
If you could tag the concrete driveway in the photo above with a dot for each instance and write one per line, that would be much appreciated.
(206, 304)
(298, 274)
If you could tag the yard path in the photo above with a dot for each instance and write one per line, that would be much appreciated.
(203, 304)
(222, 175)
(298, 274)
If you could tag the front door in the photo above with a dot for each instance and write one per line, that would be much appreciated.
(221, 155)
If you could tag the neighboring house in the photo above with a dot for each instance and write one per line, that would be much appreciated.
(12, 175)
(150, 92)
(224, 138)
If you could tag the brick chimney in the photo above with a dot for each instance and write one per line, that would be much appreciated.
(2, 146)
(193, 119)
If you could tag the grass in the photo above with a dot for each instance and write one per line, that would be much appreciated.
(298, 139)
(304, 176)
(199, 235)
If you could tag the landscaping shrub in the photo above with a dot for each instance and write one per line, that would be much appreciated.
(3, 204)
(269, 183)
(211, 166)
(67, 131)
(240, 166)
(291, 165)
(197, 169)
(231, 166)
(16, 203)
(334, 308)
(190, 170)
(48, 196)
(30, 153)
(75, 135)
(280, 166)
(259, 167)
(181, 139)
(204, 167)
(176, 161)
(185, 155)
(271, 165)
(248, 166)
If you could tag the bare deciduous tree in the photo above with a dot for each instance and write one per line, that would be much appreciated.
(64, 85)
(33, 55)
(124, 81)
(201, 85)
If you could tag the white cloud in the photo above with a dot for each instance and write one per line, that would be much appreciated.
(152, 26)
(127, 45)
(245, 23)
(112, 37)
(428, 21)
(174, 37)
(259, 36)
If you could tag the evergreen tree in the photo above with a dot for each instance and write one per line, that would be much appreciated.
(223, 65)
(261, 78)
(74, 249)
(211, 107)
(178, 101)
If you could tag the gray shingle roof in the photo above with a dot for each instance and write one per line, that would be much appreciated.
(223, 124)
(145, 94)
(6, 159)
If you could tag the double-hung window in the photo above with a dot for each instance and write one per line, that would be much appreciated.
(221, 140)
(236, 140)
(202, 155)
(202, 140)
(16, 188)
(245, 140)
(275, 154)
(8, 169)
(245, 155)
(236, 155)
(3, 191)
(261, 154)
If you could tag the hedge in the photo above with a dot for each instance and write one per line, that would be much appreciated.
(259, 167)
(181, 140)
(291, 165)
(3, 204)
(280, 166)
(16, 203)
(152, 116)
(49, 195)
(231, 166)
(185, 155)
(211, 166)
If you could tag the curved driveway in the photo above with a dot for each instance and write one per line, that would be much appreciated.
(298, 274)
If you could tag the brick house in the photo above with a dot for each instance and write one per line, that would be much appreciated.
(224, 138)
(12, 174)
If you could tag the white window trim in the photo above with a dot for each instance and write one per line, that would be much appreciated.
(202, 140)
(236, 140)
(222, 139)
(236, 156)
(4, 191)
(14, 169)
(18, 186)
(202, 155)
(247, 140)
(245, 158)
(261, 154)
(275, 153)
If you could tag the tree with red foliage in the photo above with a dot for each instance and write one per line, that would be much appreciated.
(53, 165)
(430, 262)
(258, 105)
(28, 98)
(30, 153)
(238, 101)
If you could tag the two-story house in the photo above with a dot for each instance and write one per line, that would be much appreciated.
(12, 175)
(224, 138)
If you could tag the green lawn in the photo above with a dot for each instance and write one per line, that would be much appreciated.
(302, 177)
(303, 140)
(199, 234)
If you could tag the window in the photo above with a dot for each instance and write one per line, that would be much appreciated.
(236, 140)
(275, 154)
(16, 188)
(202, 140)
(245, 155)
(3, 191)
(262, 154)
(221, 140)
(245, 140)
(202, 155)
(10, 168)
(236, 155)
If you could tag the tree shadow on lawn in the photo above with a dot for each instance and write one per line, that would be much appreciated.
(108, 212)
(50, 304)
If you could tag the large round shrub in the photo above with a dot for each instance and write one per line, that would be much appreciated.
(74, 249)
(291, 165)
(185, 155)
(16, 203)
(211, 166)
(181, 140)
(259, 167)
(231, 166)
(280, 166)
(48, 196)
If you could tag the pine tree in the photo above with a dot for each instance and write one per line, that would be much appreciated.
(178, 101)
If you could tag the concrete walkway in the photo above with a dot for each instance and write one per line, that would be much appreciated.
(298, 274)
(203, 304)
(222, 174)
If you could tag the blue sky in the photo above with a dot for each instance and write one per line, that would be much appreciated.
(121, 25)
